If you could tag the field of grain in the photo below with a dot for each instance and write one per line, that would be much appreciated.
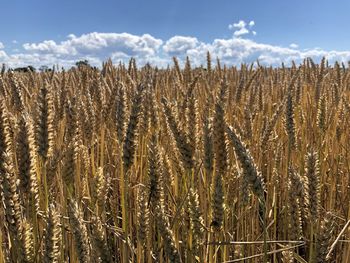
(205, 164)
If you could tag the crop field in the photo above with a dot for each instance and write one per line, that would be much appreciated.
(181, 164)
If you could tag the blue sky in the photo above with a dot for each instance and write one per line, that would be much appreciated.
(50, 32)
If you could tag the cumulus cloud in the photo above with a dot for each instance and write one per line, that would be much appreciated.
(240, 24)
(50, 47)
(180, 44)
(3, 54)
(241, 50)
(234, 51)
(101, 45)
(241, 29)
(1, 45)
(97, 47)
(241, 32)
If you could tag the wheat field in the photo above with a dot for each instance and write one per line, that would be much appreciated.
(205, 164)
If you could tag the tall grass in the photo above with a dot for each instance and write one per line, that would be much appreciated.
(215, 164)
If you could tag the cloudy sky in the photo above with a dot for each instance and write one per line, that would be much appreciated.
(51, 32)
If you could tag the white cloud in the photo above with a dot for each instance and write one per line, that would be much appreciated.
(180, 44)
(241, 32)
(240, 24)
(1, 45)
(97, 47)
(238, 50)
(50, 47)
(241, 27)
(14, 41)
(103, 44)
(3, 54)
